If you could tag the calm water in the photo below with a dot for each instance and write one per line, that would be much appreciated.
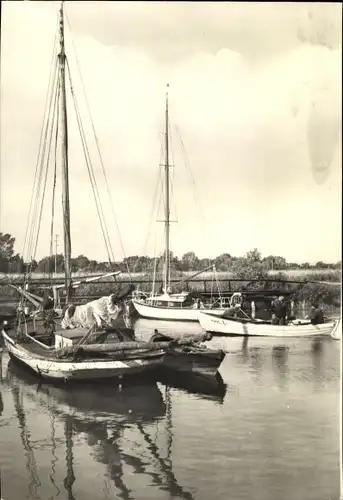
(274, 434)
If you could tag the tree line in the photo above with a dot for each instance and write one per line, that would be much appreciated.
(251, 263)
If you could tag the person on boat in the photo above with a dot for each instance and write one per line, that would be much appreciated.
(199, 304)
(48, 301)
(230, 313)
(235, 306)
(316, 315)
(279, 311)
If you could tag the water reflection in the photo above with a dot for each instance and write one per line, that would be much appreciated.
(280, 358)
(104, 415)
(209, 388)
(54, 458)
(31, 465)
(289, 360)
(1, 404)
(151, 440)
(317, 352)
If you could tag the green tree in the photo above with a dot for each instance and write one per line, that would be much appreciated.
(189, 262)
(275, 262)
(305, 265)
(204, 264)
(250, 266)
(16, 264)
(293, 265)
(223, 262)
(6, 250)
(47, 264)
(322, 265)
(81, 262)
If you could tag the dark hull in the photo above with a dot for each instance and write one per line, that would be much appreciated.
(195, 361)
(213, 387)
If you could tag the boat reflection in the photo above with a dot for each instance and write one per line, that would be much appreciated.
(280, 358)
(317, 351)
(113, 420)
(286, 358)
(132, 402)
(210, 388)
(31, 465)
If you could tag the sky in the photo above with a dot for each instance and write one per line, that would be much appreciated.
(254, 94)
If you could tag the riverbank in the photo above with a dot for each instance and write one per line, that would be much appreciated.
(322, 286)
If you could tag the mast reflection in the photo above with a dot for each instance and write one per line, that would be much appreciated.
(110, 418)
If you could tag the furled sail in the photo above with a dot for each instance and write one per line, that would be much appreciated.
(96, 313)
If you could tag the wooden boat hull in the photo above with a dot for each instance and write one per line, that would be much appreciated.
(187, 354)
(193, 360)
(169, 313)
(83, 370)
(231, 327)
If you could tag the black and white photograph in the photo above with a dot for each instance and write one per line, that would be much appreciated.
(170, 250)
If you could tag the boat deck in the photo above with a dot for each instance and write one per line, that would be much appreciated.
(32, 346)
(38, 350)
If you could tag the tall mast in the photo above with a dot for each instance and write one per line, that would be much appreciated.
(167, 202)
(64, 158)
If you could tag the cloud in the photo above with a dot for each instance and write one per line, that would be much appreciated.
(241, 92)
(183, 29)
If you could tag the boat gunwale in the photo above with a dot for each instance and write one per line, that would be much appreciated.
(178, 307)
(21, 347)
(191, 306)
(266, 323)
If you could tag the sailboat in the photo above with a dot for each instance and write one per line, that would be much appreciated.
(73, 342)
(167, 305)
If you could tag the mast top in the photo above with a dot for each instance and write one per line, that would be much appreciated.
(61, 29)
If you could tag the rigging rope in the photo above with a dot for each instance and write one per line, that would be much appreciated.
(159, 182)
(92, 176)
(54, 188)
(172, 198)
(153, 207)
(203, 220)
(46, 171)
(28, 238)
(218, 285)
(42, 167)
(99, 152)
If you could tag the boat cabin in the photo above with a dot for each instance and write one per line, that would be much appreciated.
(171, 300)
(68, 338)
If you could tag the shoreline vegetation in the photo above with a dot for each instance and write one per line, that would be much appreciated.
(322, 286)
(317, 282)
(328, 275)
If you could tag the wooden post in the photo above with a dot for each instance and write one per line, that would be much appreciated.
(292, 307)
(253, 309)
(303, 306)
